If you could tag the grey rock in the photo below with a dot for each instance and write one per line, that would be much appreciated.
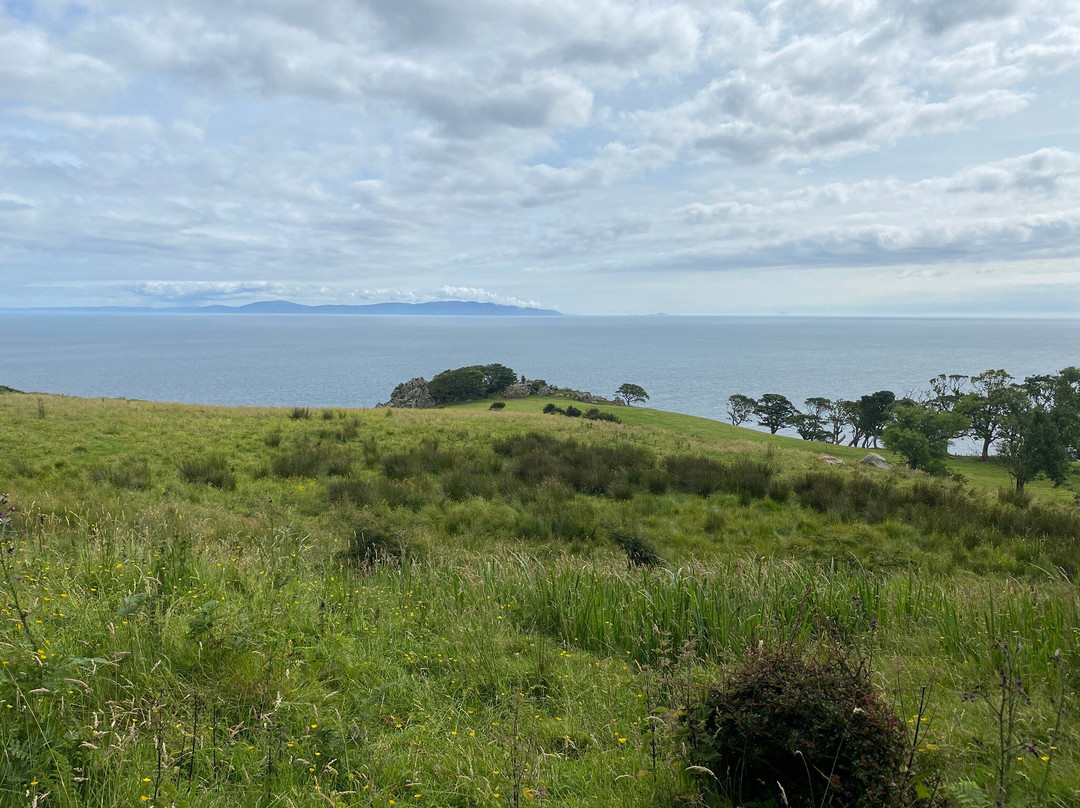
(875, 460)
(412, 395)
(829, 460)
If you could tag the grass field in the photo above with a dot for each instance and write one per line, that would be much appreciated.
(209, 606)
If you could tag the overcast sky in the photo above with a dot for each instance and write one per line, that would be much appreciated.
(595, 156)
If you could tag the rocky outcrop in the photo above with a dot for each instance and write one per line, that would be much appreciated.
(876, 461)
(411, 395)
(829, 460)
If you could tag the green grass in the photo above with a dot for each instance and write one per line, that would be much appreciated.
(209, 645)
(984, 475)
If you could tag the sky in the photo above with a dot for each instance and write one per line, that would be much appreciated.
(811, 157)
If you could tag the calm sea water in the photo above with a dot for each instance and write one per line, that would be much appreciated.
(687, 364)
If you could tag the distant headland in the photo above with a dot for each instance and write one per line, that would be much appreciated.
(469, 308)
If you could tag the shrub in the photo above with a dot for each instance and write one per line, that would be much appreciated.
(212, 470)
(458, 385)
(572, 411)
(792, 728)
(549, 408)
(300, 413)
(593, 414)
(498, 405)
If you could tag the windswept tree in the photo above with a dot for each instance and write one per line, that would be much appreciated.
(871, 414)
(461, 384)
(1040, 429)
(811, 423)
(946, 391)
(774, 412)
(985, 408)
(921, 435)
(496, 377)
(631, 393)
(740, 408)
(838, 419)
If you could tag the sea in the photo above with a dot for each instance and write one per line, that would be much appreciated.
(686, 364)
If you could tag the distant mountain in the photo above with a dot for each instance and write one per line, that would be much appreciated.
(469, 308)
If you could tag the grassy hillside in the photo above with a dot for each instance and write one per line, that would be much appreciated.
(986, 475)
(237, 607)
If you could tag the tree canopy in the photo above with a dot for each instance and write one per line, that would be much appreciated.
(631, 393)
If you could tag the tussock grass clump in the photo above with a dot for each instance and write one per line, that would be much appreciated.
(424, 459)
(311, 460)
(350, 490)
(640, 551)
(212, 470)
(300, 413)
(273, 439)
(614, 471)
(376, 539)
(130, 472)
(791, 727)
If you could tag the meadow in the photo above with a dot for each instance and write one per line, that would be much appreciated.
(210, 606)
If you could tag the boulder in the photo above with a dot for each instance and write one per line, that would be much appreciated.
(517, 390)
(875, 460)
(829, 460)
(411, 395)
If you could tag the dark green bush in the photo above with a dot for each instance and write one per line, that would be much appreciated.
(593, 414)
(498, 405)
(790, 727)
(572, 411)
(212, 470)
(549, 408)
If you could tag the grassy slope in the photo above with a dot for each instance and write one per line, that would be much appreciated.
(986, 475)
(180, 617)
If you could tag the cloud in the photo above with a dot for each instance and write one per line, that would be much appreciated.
(520, 151)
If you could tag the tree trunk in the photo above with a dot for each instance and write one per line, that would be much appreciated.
(1019, 485)
(986, 448)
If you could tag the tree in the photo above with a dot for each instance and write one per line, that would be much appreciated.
(496, 377)
(740, 408)
(810, 424)
(458, 385)
(1040, 428)
(870, 415)
(921, 434)
(839, 419)
(774, 412)
(946, 391)
(631, 393)
(985, 406)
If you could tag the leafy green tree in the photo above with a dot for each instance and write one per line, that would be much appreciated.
(497, 377)
(1040, 429)
(740, 408)
(870, 415)
(461, 384)
(631, 393)
(774, 412)
(839, 418)
(985, 406)
(921, 435)
(947, 390)
(810, 423)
